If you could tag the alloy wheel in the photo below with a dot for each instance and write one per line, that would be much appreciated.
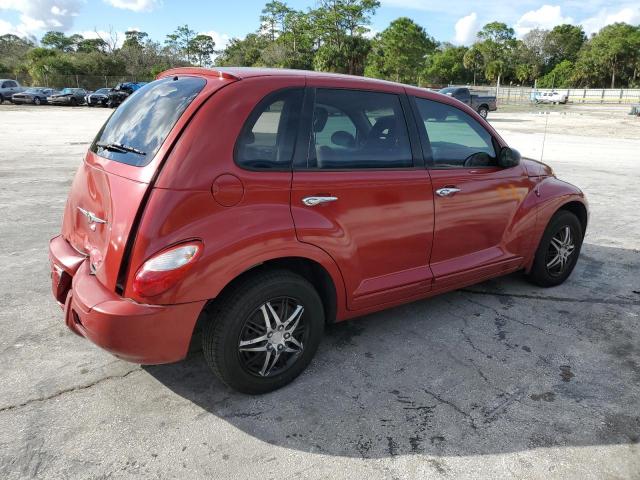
(273, 336)
(561, 248)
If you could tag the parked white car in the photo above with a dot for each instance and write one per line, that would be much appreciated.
(551, 97)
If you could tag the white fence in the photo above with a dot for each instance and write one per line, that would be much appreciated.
(522, 95)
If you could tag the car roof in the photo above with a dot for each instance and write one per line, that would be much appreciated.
(239, 73)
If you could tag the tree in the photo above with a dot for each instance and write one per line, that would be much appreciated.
(399, 52)
(497, 42)
(203, 47)
(134, 39)
(473, 60)
(243, 52)
(560, 77)
(446, 65)
(273, 18)
(13, 51)
(339, 28)
(615, 48)
(89, 45)
(563, 42)
(59, 41)
(179, 42)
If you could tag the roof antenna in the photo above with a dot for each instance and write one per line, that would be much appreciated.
(544, 137)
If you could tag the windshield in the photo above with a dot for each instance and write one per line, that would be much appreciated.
(67, 90)
(33, 90)
(136, 130)
(102, 91)
(448, 90)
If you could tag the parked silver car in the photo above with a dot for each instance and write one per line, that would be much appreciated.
(8, 88)
(34, 95)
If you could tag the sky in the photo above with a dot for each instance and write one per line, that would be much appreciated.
(455, 22)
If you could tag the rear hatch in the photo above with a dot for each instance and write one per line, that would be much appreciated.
(110, 187)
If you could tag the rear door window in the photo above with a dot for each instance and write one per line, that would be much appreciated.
(355, 129)
(138, 128)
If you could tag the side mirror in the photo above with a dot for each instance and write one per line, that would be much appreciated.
(508, 157)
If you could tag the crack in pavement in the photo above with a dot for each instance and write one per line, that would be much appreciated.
(454, 406)
(67, 390)
(553, 299)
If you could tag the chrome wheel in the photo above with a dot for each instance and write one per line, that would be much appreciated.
(272, 337)
(559, 252)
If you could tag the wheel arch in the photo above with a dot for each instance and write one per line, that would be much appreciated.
(579, 210)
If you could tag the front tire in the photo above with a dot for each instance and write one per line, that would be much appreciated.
(264, 332)
(483, 112)
(37, 101)
(558, 251)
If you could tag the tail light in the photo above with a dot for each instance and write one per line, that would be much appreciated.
(165, 269)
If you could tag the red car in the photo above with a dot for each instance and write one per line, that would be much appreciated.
(263, 204)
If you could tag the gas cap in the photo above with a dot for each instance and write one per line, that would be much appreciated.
(227, 190)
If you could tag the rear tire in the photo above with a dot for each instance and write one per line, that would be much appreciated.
(1, 99)
(253, 354)
(558, 251)
(73, 102)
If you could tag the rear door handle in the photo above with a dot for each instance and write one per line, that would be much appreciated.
(447, 191)
(313, 201)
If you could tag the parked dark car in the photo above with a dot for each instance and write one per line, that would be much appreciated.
(8, 88)
(264, 204)
(33, 95)
(483, 104)
(99, 97)
(68, 96)
(120, 93)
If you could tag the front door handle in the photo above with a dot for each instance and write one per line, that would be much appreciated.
(447, 191)
(313, 201)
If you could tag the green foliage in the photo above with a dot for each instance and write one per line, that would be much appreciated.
(563, 42)
(560, 77)
(446, 66)
(400, 52)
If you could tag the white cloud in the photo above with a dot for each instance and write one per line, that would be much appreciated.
(221, 39)
(37, 15)
(135, 5)
(606, 17)
(466, 29)
(547, 17)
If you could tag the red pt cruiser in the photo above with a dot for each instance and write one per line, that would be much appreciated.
(263, 204)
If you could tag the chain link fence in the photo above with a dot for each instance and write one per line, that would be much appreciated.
(88, 82)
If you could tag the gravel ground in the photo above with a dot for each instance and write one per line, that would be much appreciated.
(501, 380)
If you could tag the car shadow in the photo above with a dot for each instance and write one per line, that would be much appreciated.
(499, 367)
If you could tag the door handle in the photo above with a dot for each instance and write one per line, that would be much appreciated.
(447, 191)
(313, 201)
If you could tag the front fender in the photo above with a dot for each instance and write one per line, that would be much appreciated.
(553, 194)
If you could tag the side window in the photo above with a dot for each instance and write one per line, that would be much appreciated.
(268, 137)
(4, 85)
(456, 139)
(358, 129)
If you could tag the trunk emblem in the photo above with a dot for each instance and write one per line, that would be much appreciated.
(91, 217)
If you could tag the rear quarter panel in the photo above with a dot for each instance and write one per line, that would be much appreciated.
(258, 228)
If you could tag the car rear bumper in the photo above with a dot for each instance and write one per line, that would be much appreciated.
(146, 334)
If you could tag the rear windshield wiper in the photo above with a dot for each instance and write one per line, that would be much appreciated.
(118, 147)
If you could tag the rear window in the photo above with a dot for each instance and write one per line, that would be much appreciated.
(136, 130)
